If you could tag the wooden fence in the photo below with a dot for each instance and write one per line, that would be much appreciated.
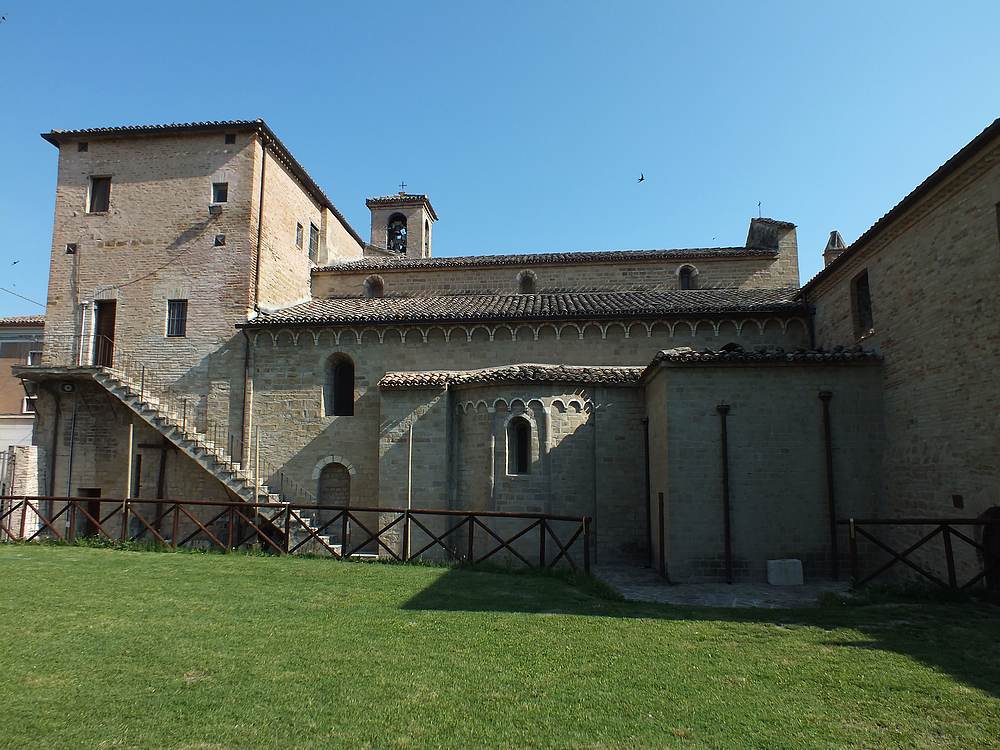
(535, 540)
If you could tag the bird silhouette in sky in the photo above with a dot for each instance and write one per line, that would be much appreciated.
(15, 262)
(642, 177)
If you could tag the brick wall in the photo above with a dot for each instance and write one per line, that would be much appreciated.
(776, 463)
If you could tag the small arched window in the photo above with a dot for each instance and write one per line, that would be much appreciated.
(526, 282)
(686, 277)
(338, 391)
(374, 287)
(518, 446)
(396, 234)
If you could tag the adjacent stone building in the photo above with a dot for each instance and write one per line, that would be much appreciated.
(696, 404)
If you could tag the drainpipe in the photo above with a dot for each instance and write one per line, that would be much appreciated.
(72, 446)
(831, 498)
(649, 510)
(260, 227)
(247, 401)
(723, 410)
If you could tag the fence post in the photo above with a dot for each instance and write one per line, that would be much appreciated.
(855, 573)
(288, 525)
(404, 552)
(124, 530)
(177, 522)
(343, 534)
(949, 555)
(72, 521)
(229, 531)
(586, 545)
(541, 544)
(470, 557)
(24, 514)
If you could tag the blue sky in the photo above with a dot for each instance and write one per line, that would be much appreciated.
(527, 123)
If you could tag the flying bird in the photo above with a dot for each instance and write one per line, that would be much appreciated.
(642, 177)
(15, 262)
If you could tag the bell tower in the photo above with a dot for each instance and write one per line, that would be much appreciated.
(401, 223)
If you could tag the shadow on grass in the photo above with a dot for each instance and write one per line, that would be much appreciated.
(961, 639)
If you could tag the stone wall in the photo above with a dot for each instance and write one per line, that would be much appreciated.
(778, 498)
(932, 275)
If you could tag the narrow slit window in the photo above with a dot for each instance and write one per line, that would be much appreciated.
(177, 310)
(220, 192)
(518, 446)
(338, 392)
(313, 242)
(863, 321)
(100, 195)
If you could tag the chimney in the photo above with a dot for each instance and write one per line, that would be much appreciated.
(834, 247)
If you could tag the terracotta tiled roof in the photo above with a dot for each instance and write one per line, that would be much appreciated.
(686, 355)
(212, 126)
(939, 175)
(24, 321)
(523, 373)
(554, 306)
(395, 263)
(400, 199)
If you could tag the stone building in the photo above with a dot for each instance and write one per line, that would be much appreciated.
(696, 403)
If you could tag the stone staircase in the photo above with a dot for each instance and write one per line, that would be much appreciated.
(213, 458)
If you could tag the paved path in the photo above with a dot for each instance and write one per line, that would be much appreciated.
(644, 585)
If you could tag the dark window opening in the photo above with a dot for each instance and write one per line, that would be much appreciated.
(518, 446)
(427, 238)
(685, 278)
(863, 321)
(298, 236)
(28, 405)
(220, 240)
(526, 283)
(338, 395)
(230, 138)
(82, 146)
(177, 310)
(220, 192)
(374, 287)
(313, 243)
(70, 248)
(100, 195)
(396, 234)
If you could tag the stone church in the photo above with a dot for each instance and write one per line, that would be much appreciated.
(704, 409)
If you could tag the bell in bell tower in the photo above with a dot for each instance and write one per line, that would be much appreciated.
(401, 223)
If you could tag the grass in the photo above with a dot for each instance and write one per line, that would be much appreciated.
(113, 649)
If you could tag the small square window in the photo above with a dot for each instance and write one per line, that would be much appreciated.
(99, 200)
(220, 192)
(298, 236)
(177, 310)
(34, 358)
(70, 248)
(220, 240)
(82, 146)
(313, 242)
(28, 405)
(230, 138)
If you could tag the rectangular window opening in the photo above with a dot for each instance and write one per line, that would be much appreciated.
(177, 318)
(28, 405)
(313, 242)
(230, 138)
(99, 199)
(34, 358)
(70, 248)
(298, 236)
(220, 240)
(220, 192)
(864, 324)
(82, 146)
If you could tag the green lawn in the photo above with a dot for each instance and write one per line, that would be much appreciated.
(112, 649)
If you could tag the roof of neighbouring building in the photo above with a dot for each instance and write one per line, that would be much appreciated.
(212, 126)
(737, 354)
(22, 321)
(522, 373)
(397, 263)
(939, 175)
(402, 199)
(551, 306)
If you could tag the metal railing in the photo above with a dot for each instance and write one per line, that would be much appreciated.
(987, 567)
(149, 384)
(535, 540)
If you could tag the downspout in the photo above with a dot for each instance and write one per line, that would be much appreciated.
(260, 227)
(247, 381)
(723, 410)
(649, 510)
(247, 400)
(72, 445)
(831, 498)
(55, 444)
